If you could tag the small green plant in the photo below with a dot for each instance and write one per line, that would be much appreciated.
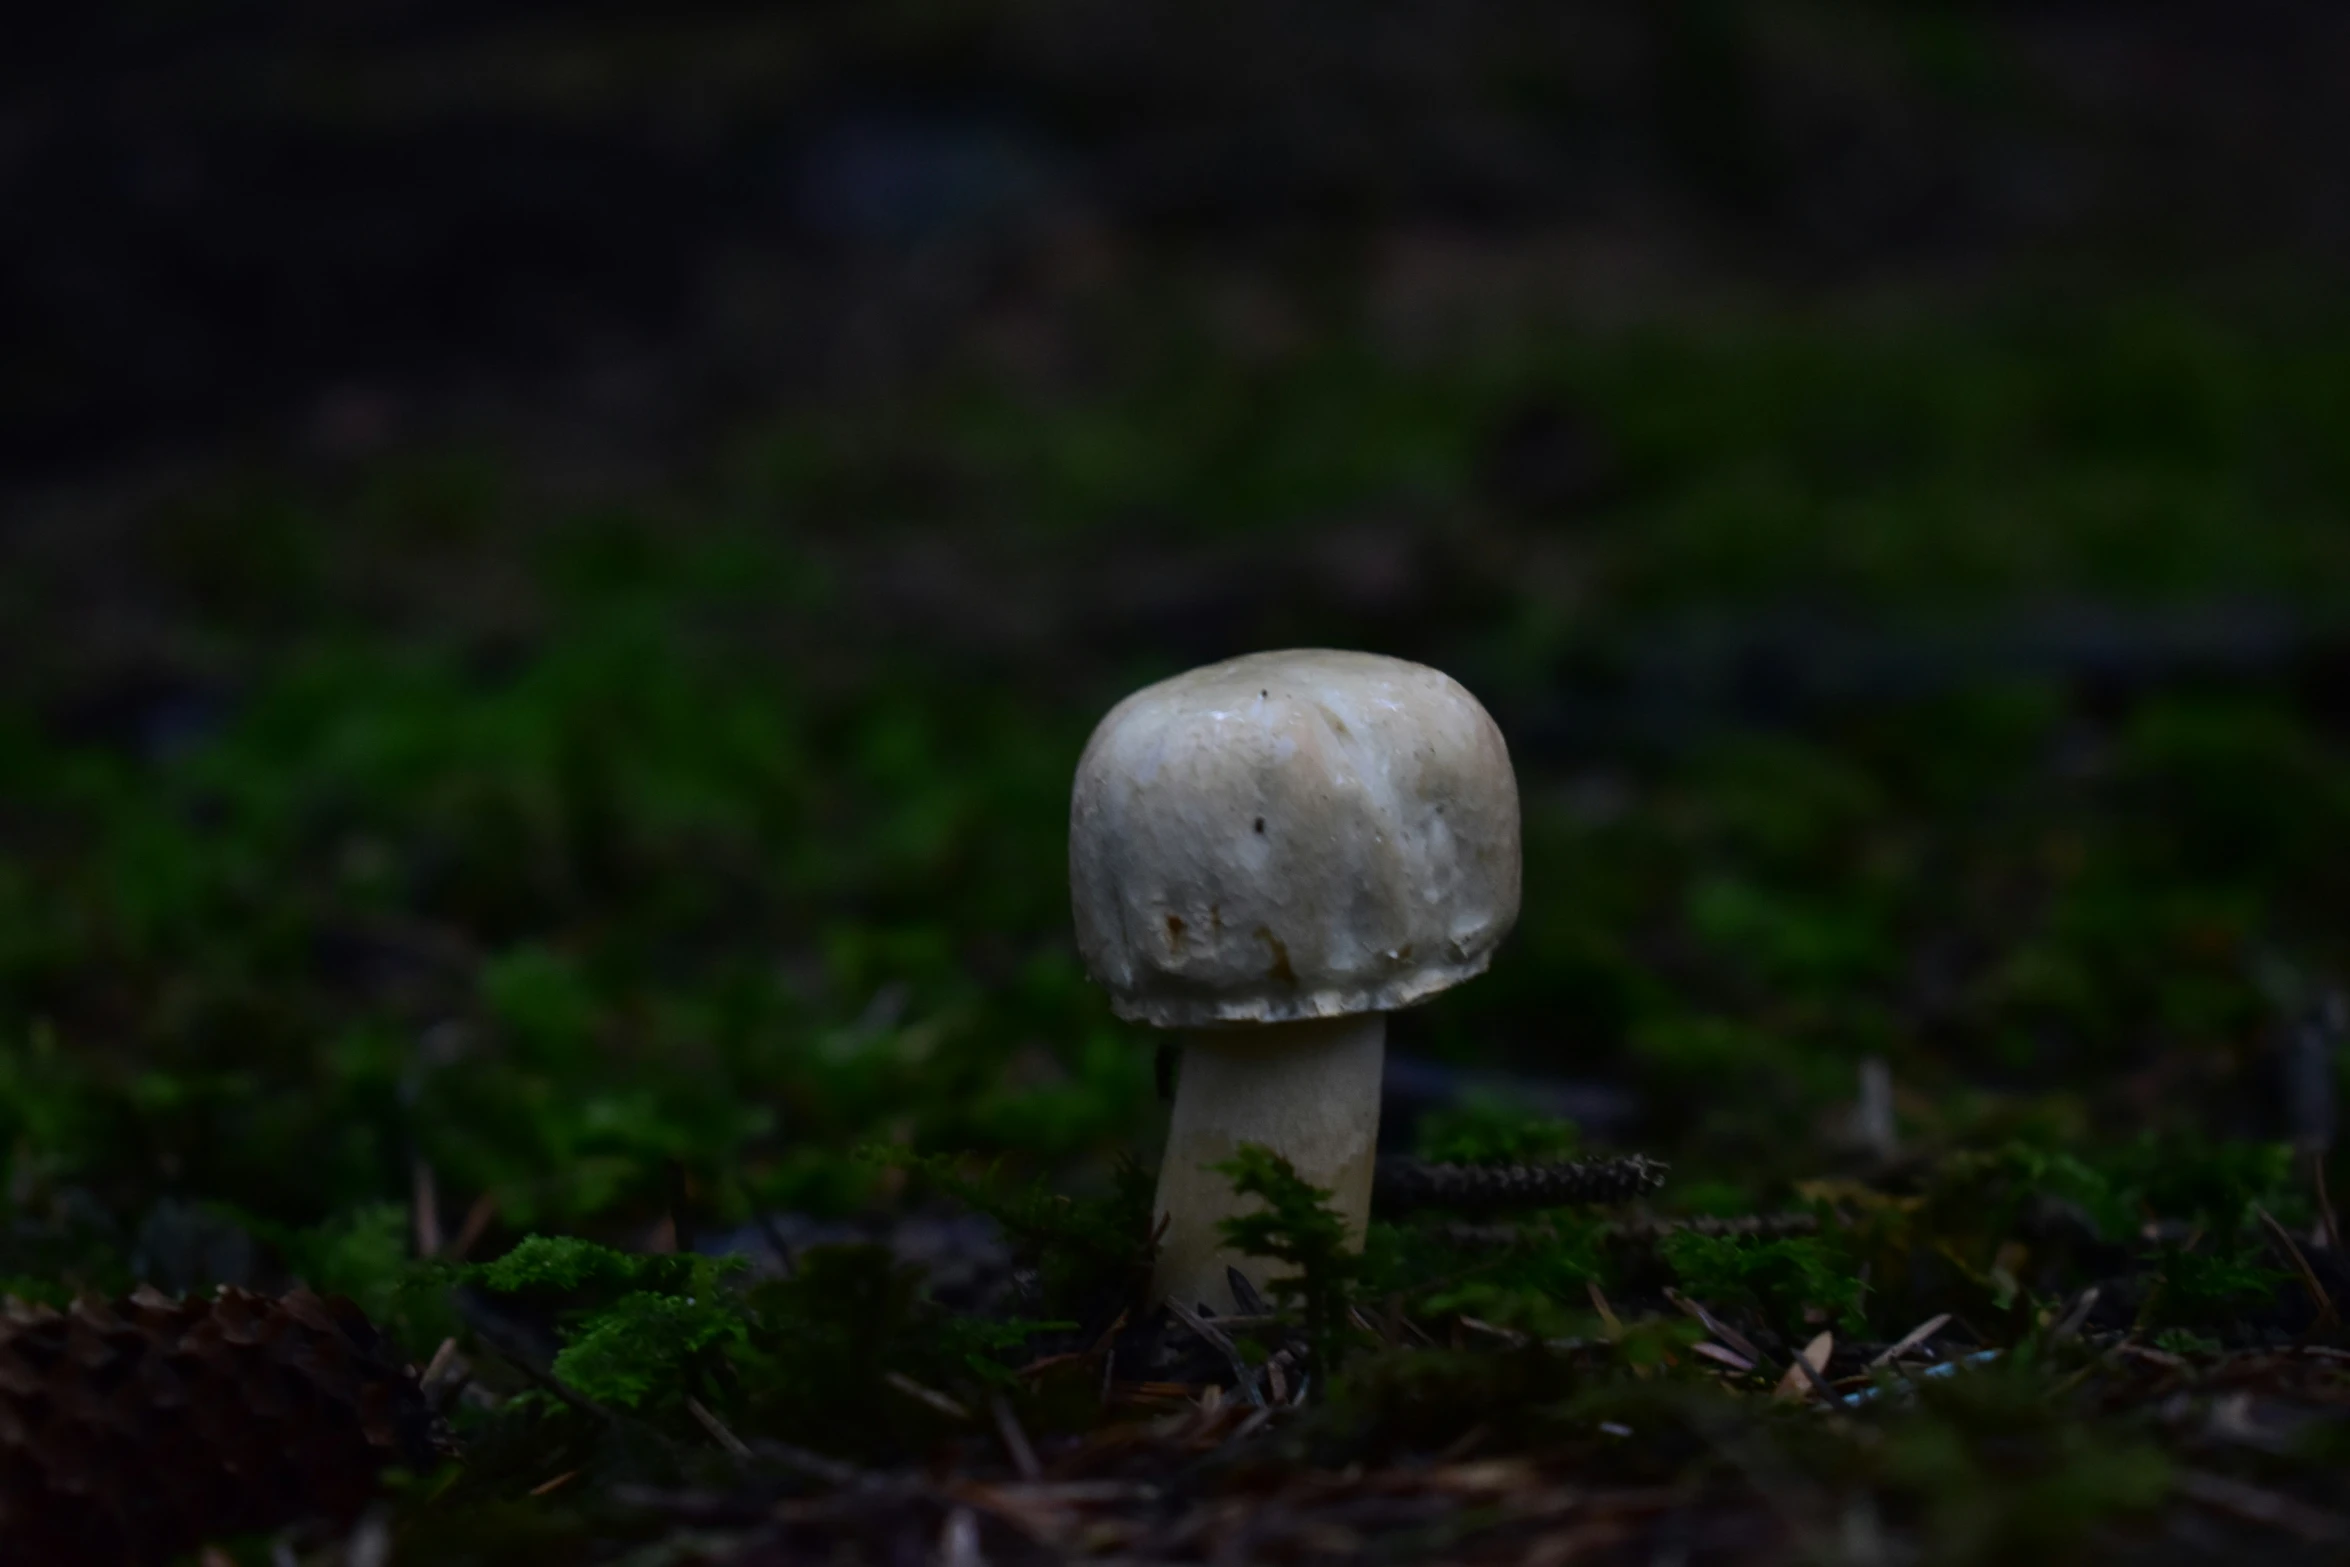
(807, 1357)
(1539, 1285)
(2200, 1288)
(1990, 1189)
(1296, 1226)
(638, 1332)
(647, 1348)
(554, 1268)
(2201, 1181)
(1780, 1278)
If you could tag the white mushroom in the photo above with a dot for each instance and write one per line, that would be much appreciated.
(1272, 853)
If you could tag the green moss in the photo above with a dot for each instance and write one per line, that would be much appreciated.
(1486, 1128)
(651, 864)
(1787, 1280)
(1295, 1226)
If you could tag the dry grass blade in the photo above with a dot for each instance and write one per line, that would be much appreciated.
(2309, 1279)
(1723, 1357)
(1510, 1336)
(1257, 1420)
(445, 1367)
(425, 1205)
(1915, 1338)
(1718, 1328)
(478, 1219)
(1245, 1379)
(717, 1429)
(1815, 1374)
(1804, 1376)
(926, 1395)
(2325, 1202)
(2076, 1314)
(830, 1471)
(1016, 1443)
(1607, 1313)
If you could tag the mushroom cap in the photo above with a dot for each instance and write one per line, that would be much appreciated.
(1291, 835)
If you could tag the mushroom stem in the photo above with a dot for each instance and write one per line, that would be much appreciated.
(1310, 1092)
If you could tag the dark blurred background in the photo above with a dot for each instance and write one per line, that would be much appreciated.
(608, 524)
(610, 244)
(622, 229)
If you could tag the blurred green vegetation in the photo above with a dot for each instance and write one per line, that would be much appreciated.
(695, 863)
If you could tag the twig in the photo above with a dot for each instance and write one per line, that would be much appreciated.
(1510, 1336)
(478, 1218)
(717, 1429)
(2076, 1314)
(493, 1330)
(2309, 1280)
(1412, 1183)
(1754, 1226)
(775, 1238)
(926, 1395)
(2325, 1203)
(438, 1367)
(425, 1201)
(1245, 1378)
(546, 1383)
(831, 1471)
(1016, 1444)
(1748, 1226)
(1874, 1117)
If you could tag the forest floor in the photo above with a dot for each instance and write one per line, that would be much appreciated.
(539, 714)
